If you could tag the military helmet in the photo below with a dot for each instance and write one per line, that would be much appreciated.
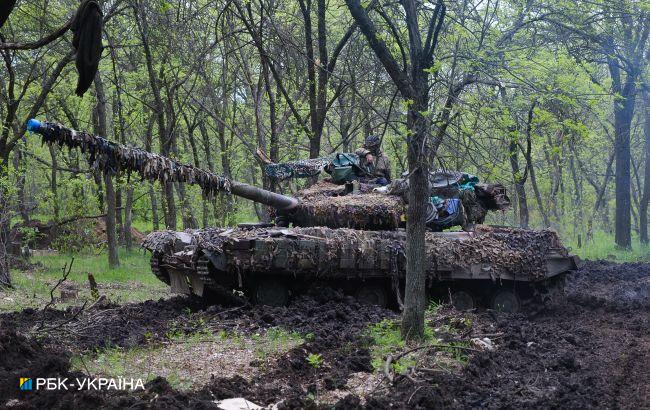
(372, 141)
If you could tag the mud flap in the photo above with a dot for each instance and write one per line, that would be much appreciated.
(197, 285)
(186, 284)
(179, 283)
(556, 264)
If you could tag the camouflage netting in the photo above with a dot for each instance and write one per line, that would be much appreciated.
(324, 204)
(363, 211)
(327, 188)
(114, 158)
(347, 252)
(517, 251)
(475, 211)
(297, 169)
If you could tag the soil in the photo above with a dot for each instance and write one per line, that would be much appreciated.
(587, 349)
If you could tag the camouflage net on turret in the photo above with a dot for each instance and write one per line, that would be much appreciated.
(302, 168)
(114, 159)
(353, 253)
(324, 204)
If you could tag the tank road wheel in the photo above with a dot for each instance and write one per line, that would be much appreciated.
(372, 294)
(506, 300)
(271, 293)
(463, 300)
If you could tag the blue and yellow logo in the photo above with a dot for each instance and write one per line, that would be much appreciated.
(26, 383)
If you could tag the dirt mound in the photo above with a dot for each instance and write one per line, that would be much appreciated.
(589, 350)
(112, 325)
(20, 357)
(615, 286)
(100, 232)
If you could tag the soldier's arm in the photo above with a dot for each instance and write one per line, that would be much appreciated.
(362, 152)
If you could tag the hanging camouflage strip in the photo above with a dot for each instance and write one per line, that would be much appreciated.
(297, 169)
(115, 159)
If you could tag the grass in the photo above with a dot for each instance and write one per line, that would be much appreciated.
(603, 247)
(188, 361)
(386, 340)
(131, 282)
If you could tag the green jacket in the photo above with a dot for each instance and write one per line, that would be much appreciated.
(379, 168)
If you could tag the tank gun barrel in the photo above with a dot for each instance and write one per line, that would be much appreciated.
(114, 158)
(278, 201)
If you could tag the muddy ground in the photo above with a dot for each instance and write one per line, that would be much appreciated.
(588, 349)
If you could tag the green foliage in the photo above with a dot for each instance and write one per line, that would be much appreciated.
(315, 360)
(602, 246)
(385, 339)
(131, 282)
(209, 77)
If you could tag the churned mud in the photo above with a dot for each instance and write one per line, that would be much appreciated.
(587, 349)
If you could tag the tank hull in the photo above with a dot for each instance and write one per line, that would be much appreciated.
(245, 259)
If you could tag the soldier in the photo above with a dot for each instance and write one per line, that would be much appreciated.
(373, 161)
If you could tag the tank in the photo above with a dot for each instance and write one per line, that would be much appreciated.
(338, 233)
(490, 266)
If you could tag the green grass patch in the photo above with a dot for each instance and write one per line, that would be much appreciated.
(188, 361)
(131, 282)
(386, 339)
(603, 247)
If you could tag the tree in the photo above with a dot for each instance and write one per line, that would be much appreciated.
(614, 34)
(645, 200)
(412, 81)
(99, 124)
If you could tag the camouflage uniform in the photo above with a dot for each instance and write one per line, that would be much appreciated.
(380, 167)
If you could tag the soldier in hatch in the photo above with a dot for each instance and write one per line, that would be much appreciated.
(374, 161)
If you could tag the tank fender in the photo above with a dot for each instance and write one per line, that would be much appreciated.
(218, 259)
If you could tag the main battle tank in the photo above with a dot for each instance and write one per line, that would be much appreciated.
(345, 235)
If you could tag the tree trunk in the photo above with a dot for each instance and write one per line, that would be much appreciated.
(538, 195)
(165, 140)
(623, 113)
(414, 88)
(128, 219)
(643, 213)
(187, 213)
(154, 208)
(520, 188)
(415, 291)
(111, 228)
(102, 130)
(22, 197)
(119, 222)
(5, 218)
(53, 183)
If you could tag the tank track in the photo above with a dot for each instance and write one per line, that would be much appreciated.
(157, 270)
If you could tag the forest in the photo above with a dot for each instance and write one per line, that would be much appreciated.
(548, 99)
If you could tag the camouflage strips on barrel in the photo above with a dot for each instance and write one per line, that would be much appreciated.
(114, 159)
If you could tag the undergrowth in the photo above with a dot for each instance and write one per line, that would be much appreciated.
(386, 339)
(131, 282)
(603, 247)
(188, 360)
